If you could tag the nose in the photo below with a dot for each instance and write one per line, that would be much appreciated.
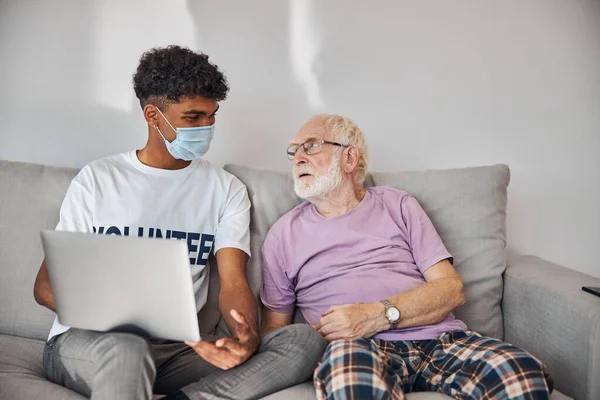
(300, 157)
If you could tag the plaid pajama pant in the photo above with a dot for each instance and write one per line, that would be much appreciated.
(460, 364)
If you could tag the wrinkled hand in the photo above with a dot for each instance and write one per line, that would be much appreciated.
(228, 353)
(351, 321)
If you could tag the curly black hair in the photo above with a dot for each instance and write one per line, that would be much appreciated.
(166, 75)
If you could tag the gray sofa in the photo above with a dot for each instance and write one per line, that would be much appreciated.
(524, 300)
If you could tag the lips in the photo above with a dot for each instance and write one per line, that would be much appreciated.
(302, 172)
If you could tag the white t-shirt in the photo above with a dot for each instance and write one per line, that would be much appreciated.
(202, 204)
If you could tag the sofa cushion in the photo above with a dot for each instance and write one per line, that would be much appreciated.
(21, 374)
(467, 206)
(306, 391)
(22, 377)
(272, 195)
(30, 199)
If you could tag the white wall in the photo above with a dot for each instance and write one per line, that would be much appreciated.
(434, 84)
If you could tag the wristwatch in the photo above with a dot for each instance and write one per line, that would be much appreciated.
(391, 313)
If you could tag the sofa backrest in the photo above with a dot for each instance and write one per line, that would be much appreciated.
(467, 206)
(30, 199)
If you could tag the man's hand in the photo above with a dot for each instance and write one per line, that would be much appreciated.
(229, 353)
(352, 321)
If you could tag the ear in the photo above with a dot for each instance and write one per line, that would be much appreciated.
(352, 156)
(151, 115)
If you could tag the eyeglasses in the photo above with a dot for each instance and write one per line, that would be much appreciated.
(311, 146)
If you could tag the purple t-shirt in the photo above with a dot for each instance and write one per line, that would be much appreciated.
(377, 250)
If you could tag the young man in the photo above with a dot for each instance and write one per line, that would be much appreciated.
(166, 190)
(370, 273)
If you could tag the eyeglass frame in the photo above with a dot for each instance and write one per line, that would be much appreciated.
(301, 145)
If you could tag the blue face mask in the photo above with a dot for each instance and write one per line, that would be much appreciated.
(190, 143)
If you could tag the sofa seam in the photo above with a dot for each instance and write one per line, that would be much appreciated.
(593, 336)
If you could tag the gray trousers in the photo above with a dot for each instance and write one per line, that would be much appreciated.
(125, 366)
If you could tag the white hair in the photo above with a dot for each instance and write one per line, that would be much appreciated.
(345, 131)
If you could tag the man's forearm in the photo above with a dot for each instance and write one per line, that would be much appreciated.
(45, 297)
(238, 298)
(42, 291)
(426, 304)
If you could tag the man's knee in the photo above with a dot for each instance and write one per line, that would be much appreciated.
(521, 363)
(341, 354)
(128, 343)
(518, 370)
(339, 347)
(126, 348)
(298, 338)
(307, 338)
(354, 369)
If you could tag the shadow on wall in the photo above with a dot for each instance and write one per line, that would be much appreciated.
(59, 121)
(266, 97)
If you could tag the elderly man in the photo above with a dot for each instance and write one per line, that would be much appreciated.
(368, 270)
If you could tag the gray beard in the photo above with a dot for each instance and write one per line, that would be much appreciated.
(322, 184)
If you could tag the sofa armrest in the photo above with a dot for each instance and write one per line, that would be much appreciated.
(547, 314)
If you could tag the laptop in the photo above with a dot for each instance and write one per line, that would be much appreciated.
(122, 284)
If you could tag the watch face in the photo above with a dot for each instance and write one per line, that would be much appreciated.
(393, 314)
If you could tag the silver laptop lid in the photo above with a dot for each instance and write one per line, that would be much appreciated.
(121, 283)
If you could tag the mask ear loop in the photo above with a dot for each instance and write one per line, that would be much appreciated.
(165, 118)
(160, 133)
(158, 129)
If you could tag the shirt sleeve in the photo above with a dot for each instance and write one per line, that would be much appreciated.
(277, 292)
(234, 224)
(425, 243)
(77, 209)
